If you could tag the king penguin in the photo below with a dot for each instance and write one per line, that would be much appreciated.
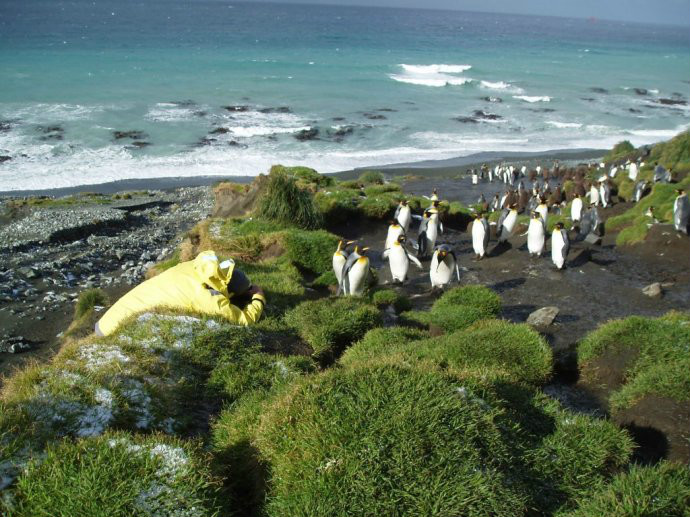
(428, 233)
(560, 245)
(576, 209)
(536, 234)
(543, 210)
(395, 230)
(443, 264)
(339, 259)
(640, 190)
(355, 273)
(506, 224)
(480, 235)
(403, 215)
(399, 259)
(605, 193)
(594, 194)
(681, 211)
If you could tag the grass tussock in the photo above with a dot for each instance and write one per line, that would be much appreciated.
(390, 297)
(331, 325)
(620, 151)
(654, 352)
(285, 202)
(118, 475)
(663, 489)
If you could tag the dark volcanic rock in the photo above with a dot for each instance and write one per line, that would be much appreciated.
(238, 108)
(672, 102)
(51, 132)
(597, 89)
(633, 110)
(138, 145)
(588, 99)
(219, 131)
(480, 114)
(185, 103)
(205, 141)
(279, 109)
(374, 116)
(4, 159)
(5, 126)
(466, 120)
(134, 134)
(387, 110)
(235, 143)
(542, 110)
(338, 119)
(640, 91)
(307, 134)
(492, 99)
(200, 113)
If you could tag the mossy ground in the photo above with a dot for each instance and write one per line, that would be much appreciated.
(318, 409)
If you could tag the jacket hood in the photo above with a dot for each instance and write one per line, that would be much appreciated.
(212, 272)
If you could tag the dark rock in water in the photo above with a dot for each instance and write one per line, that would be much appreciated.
(5, 126)
(133, 135)
(200, 113)
(52, 136)
(676, 95)
(219, 131)
(588, 99)
(51, 132)
(480, 114)
(138, 145)
(640, 91)
(387, 110)
(374, 116)
(279, 109)
(184, 103)
(597, 89)
(307, 134)
(338, 119)
(238, 108)
(672, 102)
(235, 143)
(633, 110)
(343, 131)
(492, 99)
(466, 120)
(205, 141)
(542, 110)
(4, 159)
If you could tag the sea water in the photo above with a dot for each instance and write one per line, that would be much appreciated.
(215, 87)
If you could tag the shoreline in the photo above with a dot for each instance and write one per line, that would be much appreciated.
(428, 168)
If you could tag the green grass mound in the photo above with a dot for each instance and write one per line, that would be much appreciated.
(305, 176)
(674, 153)
(371, 178)
(85, 313)
(311, 251)
(620, 151)
(488, 349)
(331, 325)
(389, 439)
(661, 490)
(284, 201)
(476, 296)
(386, 297)
(381, 342)
(652, 354)
(117, 475)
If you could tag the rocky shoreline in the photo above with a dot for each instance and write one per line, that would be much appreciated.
(53, 248)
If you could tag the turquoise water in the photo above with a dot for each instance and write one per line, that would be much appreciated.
(381, 86)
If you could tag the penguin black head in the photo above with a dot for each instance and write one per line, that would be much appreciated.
(478, 215)
(427, 214)
(402, 239)
(436, 203)
(559, 226)
(513, 206)
(535, 214)
(680, 191)
(403, 202)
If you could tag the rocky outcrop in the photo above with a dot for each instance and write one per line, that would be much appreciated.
(235, 199)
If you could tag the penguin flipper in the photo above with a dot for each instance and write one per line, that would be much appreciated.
(385, 253)
(414, 259)
(397, 212)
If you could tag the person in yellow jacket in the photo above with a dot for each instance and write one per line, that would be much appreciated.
(202, 285)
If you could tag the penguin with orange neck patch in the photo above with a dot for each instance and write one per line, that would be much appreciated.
(444, 264)
(399, 259)
(355, 273)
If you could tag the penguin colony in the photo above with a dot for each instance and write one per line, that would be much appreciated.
(352, 268)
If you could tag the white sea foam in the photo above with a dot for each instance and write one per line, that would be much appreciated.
(500, 85)
(437, 80)
(564, 125)
(533, 98)
(435, 69)
(251, 131)
(169, 112)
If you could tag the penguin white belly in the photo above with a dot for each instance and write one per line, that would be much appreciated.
(543, 212)
(508, 226)
(358, 276)
(404, 217)
(535, 237)
(441, 273)
(594, 195)
(576, 210)
(431, 235)
(338, 263)
(478, 238)
(399, 263)
(632, 172)
(475, 179)
(393, 234)
(557, 245)
(602, 197)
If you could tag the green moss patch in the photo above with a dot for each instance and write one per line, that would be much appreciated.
(386, 297)
(651, 354)
(285, 202)
(330, 325)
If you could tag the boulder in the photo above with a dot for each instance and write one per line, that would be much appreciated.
(543, 317)
(653, 290)
(307, 134)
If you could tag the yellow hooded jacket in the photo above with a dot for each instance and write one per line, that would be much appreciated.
(200, 285)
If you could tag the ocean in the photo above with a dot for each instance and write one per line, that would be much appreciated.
(97, 91)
